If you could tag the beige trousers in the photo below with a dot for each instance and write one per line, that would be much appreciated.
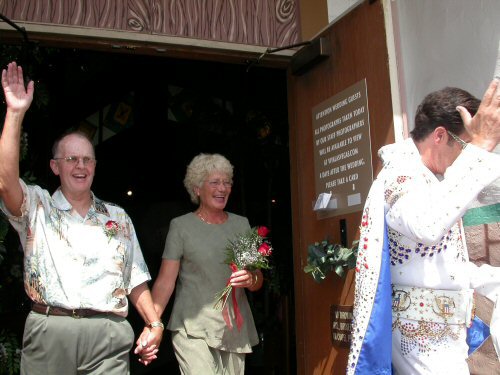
(195, 357)
(55, 345)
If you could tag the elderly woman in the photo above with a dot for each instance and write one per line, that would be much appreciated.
(194, 256)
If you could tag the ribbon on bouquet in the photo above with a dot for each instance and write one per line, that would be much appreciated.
(236, 309)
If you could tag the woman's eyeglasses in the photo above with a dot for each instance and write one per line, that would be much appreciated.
(216, 183)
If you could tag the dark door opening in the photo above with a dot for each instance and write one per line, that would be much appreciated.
(149, 117)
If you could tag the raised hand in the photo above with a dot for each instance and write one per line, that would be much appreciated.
(17, 96)
(484, 127)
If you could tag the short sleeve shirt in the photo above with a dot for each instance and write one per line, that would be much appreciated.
(75, 262)
(201, 250)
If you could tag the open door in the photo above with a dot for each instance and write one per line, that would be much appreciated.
(357, 53)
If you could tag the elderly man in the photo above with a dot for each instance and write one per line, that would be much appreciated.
(81, 258)
(412, 255)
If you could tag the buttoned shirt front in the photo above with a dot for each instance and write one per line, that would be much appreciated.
(73, 262)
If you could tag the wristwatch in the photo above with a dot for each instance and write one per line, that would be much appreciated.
(158, 323)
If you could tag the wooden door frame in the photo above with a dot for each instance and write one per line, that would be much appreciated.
(358, 51)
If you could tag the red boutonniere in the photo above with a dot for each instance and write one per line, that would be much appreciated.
(111, 229)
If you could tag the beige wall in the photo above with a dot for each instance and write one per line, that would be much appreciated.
(313, 17)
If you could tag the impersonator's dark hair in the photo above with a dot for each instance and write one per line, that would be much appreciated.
(71, 131)
(439, 109)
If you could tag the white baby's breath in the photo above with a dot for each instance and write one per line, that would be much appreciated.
(243, 253)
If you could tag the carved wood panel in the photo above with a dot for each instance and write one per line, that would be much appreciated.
(272, 23)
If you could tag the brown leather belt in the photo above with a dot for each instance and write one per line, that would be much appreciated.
(61, 311)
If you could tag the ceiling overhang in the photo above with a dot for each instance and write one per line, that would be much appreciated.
(147, 44)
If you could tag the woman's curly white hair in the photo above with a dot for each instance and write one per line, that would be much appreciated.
(200, 168)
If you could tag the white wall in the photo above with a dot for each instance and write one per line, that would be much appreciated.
(337, 8)
(445, 43)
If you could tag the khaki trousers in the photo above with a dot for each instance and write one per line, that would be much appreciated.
(195, 357)
(57, 345)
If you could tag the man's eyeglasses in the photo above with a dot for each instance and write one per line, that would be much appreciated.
(462, 143)
(216, 183)
(73, 160)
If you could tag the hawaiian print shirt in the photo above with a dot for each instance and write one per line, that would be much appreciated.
(74, 262)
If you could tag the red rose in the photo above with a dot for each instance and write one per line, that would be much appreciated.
(111, 225)
(265, 249)
(111, 229)
(262, 231)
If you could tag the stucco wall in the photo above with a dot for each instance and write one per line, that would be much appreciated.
(446, 43)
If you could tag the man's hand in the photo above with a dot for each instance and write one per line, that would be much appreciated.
(148, 344)
(18, 97)
(150, 338)
(484, 127)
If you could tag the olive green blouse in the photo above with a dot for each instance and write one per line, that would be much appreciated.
(201, 249)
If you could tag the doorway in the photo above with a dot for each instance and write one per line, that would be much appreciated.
(149, 117)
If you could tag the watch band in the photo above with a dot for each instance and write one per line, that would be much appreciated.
(156, 324)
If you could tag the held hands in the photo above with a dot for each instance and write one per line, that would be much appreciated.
(18, 97)
(148, 344)
(484, 127)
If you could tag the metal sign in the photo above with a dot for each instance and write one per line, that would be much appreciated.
(342, 152)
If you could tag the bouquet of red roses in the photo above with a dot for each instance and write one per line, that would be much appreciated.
(249, 251)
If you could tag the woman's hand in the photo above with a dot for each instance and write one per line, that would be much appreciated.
(247, 279)
(241, 279)
(148, 344)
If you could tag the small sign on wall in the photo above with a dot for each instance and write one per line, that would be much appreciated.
(342, 151)
(341, 324)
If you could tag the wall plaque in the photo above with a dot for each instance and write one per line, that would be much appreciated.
(342, 152)
(341, 323)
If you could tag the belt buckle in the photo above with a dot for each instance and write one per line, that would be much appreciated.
(445, 305)
(75, 315)
(401, 300)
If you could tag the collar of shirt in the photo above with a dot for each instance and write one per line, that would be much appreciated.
(61, 203)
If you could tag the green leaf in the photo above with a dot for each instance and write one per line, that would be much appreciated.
(339, 270)
(317, 253)
(318, 275)
(351, 262)
(309, 268)
(10, 356)
(326, 257)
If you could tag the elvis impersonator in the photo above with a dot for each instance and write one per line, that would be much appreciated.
(414, 296)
